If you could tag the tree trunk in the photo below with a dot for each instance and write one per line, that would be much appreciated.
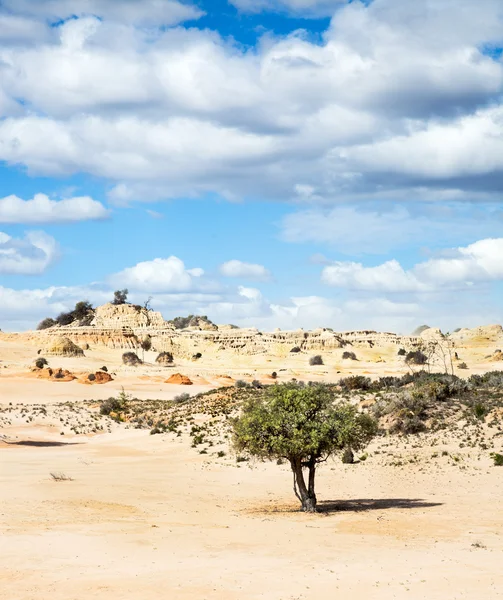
(305, 493)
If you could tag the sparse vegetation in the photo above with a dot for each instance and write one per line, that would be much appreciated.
(349, 356)
(181, 398)
(131, 359)
(402, 352)
(190, 321)
(120, 297)
(295, 350)
(240, 384)
(41, 362)
(315, 360)
(164, 358)
(416, 357)
(497, 459)
(46, 324)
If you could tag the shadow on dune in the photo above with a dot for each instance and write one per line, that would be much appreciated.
(371, 504)
(35, 444)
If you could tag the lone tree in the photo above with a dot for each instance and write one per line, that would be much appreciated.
(120, 297)
(303, 425)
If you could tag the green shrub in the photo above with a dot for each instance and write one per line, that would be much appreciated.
(131, 359)
(181, 398)
(40, 363)
(416, 357)
(498, 459)
(355, 382)
(46, 324)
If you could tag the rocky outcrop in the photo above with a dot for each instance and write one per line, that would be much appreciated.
(178, 379)
(124, 326)
(62, 346)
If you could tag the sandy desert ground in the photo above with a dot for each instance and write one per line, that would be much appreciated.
(147, 517)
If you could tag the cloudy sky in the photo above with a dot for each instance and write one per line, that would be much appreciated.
(269, 163)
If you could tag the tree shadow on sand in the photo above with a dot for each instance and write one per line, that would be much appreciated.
(331, 506)
(35, 444)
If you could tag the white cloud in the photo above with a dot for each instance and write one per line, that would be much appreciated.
(30, 255)
(388, 277)
(41, 209)
(244, 270)
(138, 12)
(462, 267)
(160, 275)
(392, 97)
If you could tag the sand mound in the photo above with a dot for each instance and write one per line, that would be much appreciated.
(61, 375)
(63, 346)
(98, 378)
(178, 379)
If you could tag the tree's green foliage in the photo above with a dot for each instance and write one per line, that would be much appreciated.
(46, 323)
(304, 425)
(120, 297)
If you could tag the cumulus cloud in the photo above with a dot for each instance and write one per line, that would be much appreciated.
(477, 263)
(41, 209)
(30, 255)
(244, 270)
(138, 12)
(395, 98)
(157, 276)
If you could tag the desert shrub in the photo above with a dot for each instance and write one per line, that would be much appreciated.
(315, 360)
(348, 457)
(131, 359)
(491, 379)
(181, 398)
(197, 356)
(416, 357)
(190, 321)
(256, 384)
(402, 352)
(59, 374)
(46, 323)
(240, 384)
(40, 363)
(462, 366)
(386, 383)
(479, 410)
(91, 377)
(164, 358)
(146, 343)
(104, 369)
(498, 459)
(116, 405)
(349, 356)
(64, 319)
(120, 297)
(295, 350)
(274, 375)
(155, 431)
(355, 382)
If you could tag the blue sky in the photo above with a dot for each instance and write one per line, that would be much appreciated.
(270, 163)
